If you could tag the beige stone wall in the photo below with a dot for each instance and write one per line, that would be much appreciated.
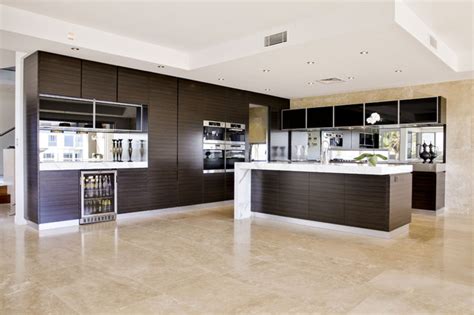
(258, 121)
(460, 130)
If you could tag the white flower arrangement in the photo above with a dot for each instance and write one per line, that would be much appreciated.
(375, 117)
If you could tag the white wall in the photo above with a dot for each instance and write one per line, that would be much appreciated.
(7, 111)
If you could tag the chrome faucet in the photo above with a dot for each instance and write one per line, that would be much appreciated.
(325, 152)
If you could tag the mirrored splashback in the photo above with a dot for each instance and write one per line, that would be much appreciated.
(70, 146)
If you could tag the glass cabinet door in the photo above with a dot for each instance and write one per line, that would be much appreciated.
(63, 112)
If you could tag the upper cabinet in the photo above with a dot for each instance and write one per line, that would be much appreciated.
(388, 112)
(293, 119)
(320, 117)
(349, 115)
(132, 86)
(59, 75)
(99, 81)
(423, 110)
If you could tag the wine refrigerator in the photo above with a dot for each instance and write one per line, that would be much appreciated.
(98, 196)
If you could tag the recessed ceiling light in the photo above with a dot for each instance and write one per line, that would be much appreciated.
(350, 78)
(71, 36)
(74, 48)
(310, 83)
(160, 66)
(364, 52)
(310, 62)
(267, 90)
(220, 79)
(398, 71)
(266, 70)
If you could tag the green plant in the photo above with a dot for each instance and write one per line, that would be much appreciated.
(371, 158)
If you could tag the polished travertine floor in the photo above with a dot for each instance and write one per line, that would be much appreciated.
(203, 262)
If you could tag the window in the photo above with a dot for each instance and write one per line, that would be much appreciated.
(48, 156)
(68, 140)
(52, 140)
(67, 156)
(390, 140)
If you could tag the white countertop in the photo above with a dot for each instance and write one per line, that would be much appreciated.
(343, 168)
(59, 166)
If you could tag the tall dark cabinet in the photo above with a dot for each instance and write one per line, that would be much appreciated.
(176, 110)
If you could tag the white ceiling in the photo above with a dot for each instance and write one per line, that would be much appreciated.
(210, 40)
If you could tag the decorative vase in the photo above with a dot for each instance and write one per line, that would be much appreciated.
(372, 161)
(425, 155)
(114, 150)
(142, 149)
(130, 150)
(433, 153)
(120, 150)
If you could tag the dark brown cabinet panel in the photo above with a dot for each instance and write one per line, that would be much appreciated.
(190, 118)
(163, 123)
(213, 187)
(213, 101)
(367, 201)
(30, 81)
(428, 190)
(400, 200)
(190, 190)
(132, 86)
(237, 107)
(162, 188)
(229, 186)
(294, 192)
(99, 81)
(265, 191)
(326, 197)
(132, 190)
(59, 196)
(59, 75)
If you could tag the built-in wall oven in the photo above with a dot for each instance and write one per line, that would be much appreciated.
(213, 157)
(223, 145)
(235, 133)
(213, 132)
(233, 153)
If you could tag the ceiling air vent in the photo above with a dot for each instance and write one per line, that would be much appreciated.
(276, 39)
(330, 81)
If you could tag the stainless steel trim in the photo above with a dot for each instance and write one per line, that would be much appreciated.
(213, 171)
(234, 143)
(93, 114)
(210, 146)
(235, 147)
(206, 123)
(398, 118)
(87, 100)
(334, 116)
(230, 170)
(213, 142)
(229, 125)
(363, 113)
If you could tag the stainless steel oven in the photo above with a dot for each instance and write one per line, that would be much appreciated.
(235, 133)
(213, 158)
(213, 132)
(233, 153)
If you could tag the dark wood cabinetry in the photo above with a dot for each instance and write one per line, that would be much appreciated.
(59, 75)
(320, 117)
(366, 201)
(190, 187)
(349, 115)
(388, 112)
(229, 186)
(162, 188)
(265, 191)
(99, 81)
(132, 86)
(213, 188)
(132, 190)
(163, 123)
(294, 195)
(428, 190)
(237, 107)
(365, 198)
(325, 197)
(59, 198)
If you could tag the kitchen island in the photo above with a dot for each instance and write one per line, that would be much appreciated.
(348, 197)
